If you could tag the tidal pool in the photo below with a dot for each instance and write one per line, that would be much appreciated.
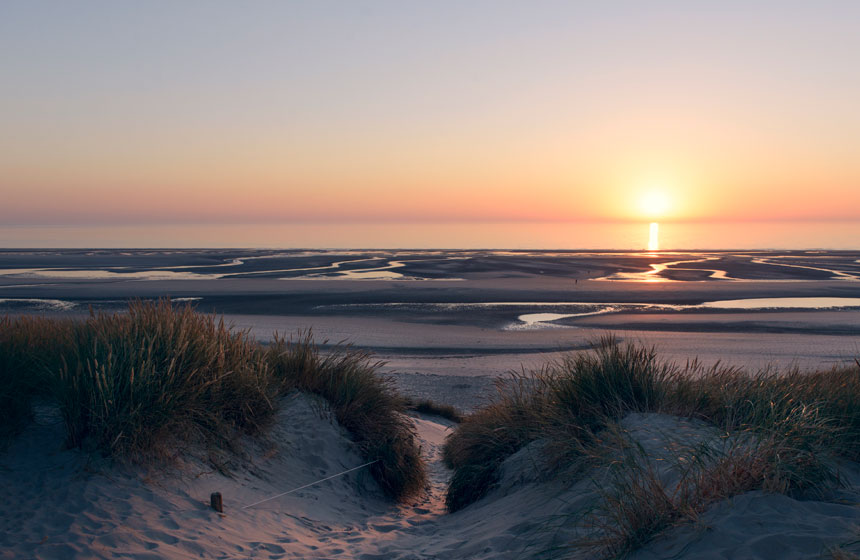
(784, 303)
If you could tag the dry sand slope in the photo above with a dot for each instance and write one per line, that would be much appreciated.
(64, 504)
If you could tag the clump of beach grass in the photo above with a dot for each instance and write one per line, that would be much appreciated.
(131, 381)
(842, 552)
(639, 497)
(133, 384)
(784, 428)
(489, 435)
(769, 400)
(428, 406)
(565, 402)
(635, 506)
(30, 347)
(364, 403)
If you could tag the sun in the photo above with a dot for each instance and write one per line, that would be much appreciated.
(654, 204)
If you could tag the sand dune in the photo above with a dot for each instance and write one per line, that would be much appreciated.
(67, 504)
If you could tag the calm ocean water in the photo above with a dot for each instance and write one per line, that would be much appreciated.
(509, 235)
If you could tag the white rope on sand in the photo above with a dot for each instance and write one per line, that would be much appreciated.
(310, 484)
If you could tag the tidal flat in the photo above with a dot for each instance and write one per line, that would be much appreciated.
(436, 317)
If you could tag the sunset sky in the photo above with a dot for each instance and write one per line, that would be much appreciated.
(166, 112)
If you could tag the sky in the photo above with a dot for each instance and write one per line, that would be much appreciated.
(119, 113)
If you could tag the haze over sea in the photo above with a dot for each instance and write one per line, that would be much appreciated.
(451, 235)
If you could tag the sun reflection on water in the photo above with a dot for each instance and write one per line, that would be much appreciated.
(654, 237)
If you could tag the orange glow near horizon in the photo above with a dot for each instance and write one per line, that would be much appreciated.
(574, 113)
(91, 192)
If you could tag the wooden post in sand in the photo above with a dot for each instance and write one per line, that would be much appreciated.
(216, 502)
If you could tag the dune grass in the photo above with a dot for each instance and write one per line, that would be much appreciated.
(428, 406)
(786, 426)
(635, 506)
(131, 381)
(637, 502)
(488, 436)
(847, 550)
(133, 384)
(566, 402)
(363, 402)
(770, 400)
(30, 348)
